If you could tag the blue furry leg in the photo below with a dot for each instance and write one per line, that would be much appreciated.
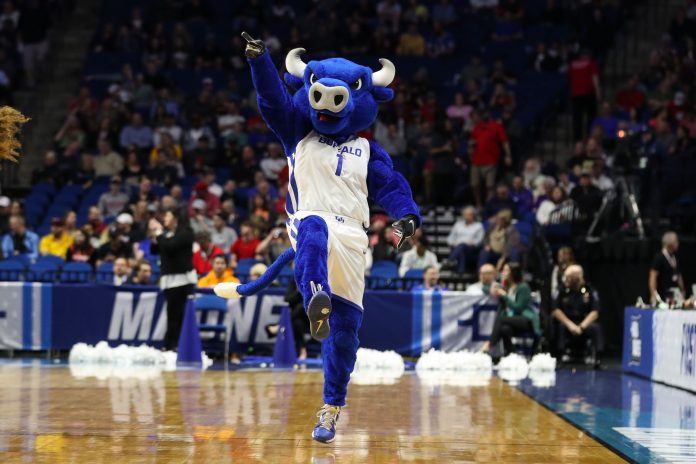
(339, 350)
(311, 257)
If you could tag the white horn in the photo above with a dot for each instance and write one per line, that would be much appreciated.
(294, 64)
(384, 76)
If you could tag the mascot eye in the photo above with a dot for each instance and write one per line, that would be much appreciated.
(312, 78)
(356, 85)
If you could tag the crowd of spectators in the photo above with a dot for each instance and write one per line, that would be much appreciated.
(208, 149)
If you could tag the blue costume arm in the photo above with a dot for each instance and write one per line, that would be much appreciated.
(387, 187)
(275, 103)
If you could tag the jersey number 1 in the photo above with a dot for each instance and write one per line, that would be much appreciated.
(340, 164)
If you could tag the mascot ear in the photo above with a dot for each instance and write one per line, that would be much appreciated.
(293, 82)
(382, 94)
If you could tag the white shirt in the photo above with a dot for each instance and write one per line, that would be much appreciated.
(329, 177)
(468, 234)
(544, 212)
(603, 183)
(411, 260)
(271, 167)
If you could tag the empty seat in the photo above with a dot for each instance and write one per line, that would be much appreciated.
(76, 272)
(11, 270)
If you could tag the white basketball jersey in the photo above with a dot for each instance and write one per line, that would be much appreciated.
(329, 177)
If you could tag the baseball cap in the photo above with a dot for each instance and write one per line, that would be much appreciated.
(124, 218)
(198, 204)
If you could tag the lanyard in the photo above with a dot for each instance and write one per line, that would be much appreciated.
(672, 260)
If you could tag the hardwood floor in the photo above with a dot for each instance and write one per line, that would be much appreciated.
(55, 415)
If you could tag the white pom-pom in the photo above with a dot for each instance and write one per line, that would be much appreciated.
(227, 290)
(513, 368)
(373, 367)
(542, 362)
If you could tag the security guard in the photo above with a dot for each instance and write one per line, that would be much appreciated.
(577, 310)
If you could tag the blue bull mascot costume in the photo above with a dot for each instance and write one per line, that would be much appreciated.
(332, 174)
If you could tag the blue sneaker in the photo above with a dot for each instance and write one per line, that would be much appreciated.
(318, 312)
(325, 430)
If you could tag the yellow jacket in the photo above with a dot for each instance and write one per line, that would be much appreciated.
(49, 245)
(211, 280)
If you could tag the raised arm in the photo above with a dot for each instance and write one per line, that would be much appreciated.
(387, 187)
(274, 100)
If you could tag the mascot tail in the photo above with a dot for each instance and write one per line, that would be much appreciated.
(235, 290)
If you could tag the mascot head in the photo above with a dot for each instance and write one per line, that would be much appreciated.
(338, 96)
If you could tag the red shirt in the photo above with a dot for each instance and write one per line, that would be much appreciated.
(630, 98)
(244, 250)
(203, 260)
(580, 74)
(488, 136)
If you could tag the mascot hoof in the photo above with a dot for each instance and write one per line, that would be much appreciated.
(227, 290)
(318, 312)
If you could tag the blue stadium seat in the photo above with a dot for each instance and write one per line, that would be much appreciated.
(382, 274)
(22, 259)
(11, 270)
(105, 273)
(414, 274)
(76, 272)
(45, 271)
(286, 274)
(51, 259)
(243, 268)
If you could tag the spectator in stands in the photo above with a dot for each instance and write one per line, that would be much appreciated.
(565, 258)
(166, 148)
(273, 162)
(257, 270)
(588, 199)
(599, 179)
(107, 162)
(465, 239)
(48, 173)
(200, 222)
(69, 134)
(142, 273)
(501, 243)
(20, 241)
(500, 201)
(219, 273)
(488, 137)
(197, 130)
(630, 97)
(117, 246)
(275, 243)
(431, 280)
(516, 314)
(221, 234)
(577, 311)
(81, 250)
(665, 280)
(94, 219)
(136, 134)
(200, 192)
(607, 121)
(70, 221)
(33, 26)
(411, 42)
(170, 127)
(418, 257)
(522, 197)
(547, 206)
(173, 241)
(115, 200)
(207, 251)
(57, 242)
(391, 137)
(245, 246)
(584, 92)
(485, 284)
(441, 43)
(121, 271)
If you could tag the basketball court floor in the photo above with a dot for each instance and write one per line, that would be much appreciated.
(53, 413)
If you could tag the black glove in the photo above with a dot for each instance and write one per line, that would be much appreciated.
(405, 228)
(254, 48)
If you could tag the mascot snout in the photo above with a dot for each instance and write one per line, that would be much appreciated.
(334, 98)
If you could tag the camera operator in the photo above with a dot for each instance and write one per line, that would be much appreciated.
(275, 243)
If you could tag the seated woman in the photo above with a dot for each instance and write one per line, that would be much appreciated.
(516, 314)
